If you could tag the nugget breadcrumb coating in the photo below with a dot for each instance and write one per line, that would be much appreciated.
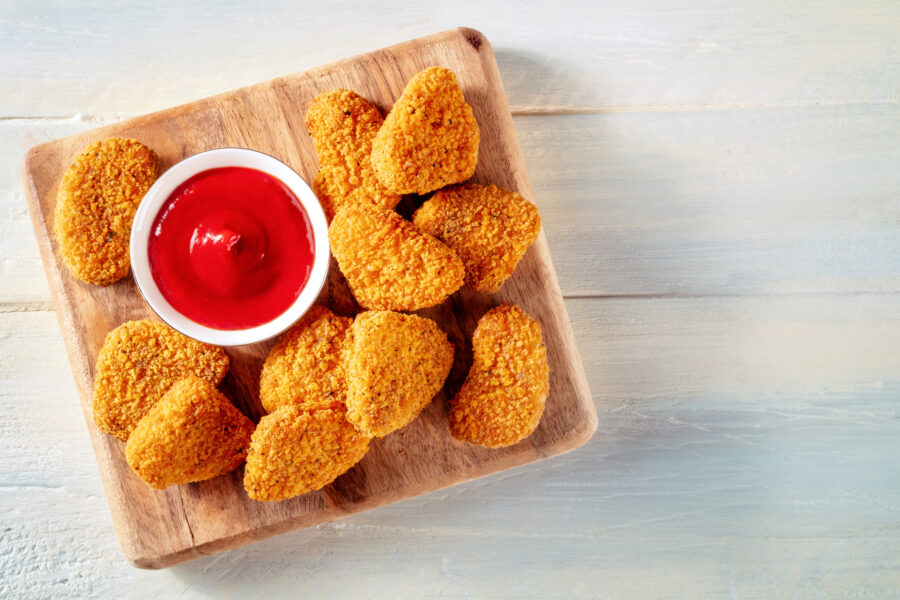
(193, 433)
(342, 125)
(95, 206)
(429, 139)
(295, 450)
(488, 227)
(397, 364)
(306, 365)
(502, 399)
(389, 264)
(138, 363)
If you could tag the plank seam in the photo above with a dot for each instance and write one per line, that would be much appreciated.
(47, 306)
(14, 307)
(678, 296)
(544, 111)
(541, 111)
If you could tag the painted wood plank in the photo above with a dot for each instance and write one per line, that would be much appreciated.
(774, 476)
(98, 58)
(764, 201)
(24, 281)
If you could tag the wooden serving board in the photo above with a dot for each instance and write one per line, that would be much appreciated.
(161, 528)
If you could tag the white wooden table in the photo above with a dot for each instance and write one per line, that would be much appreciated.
(720, 186)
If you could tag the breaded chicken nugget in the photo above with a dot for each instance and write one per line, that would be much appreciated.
(488, 227)
(502, 399)
(295, 450)
(429, 139)
(397, 364)
(306, 365)
(389, 264)
(194, 433)
(138, 363)
(95, 206)
(342, 125)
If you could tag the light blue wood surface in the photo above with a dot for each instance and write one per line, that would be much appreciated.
(720, 187)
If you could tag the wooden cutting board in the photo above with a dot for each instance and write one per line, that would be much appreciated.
(161, 528)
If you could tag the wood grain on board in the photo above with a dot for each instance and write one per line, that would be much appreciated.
(160, 528)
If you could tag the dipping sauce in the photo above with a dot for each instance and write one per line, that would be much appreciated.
(231, 248)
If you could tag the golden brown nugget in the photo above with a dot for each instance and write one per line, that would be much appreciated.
(429, 139)
(397, 364)
(502, 399)
(488, 227)
(306, 365)
(193, 433)
(342, 125)
(138, 363)
(295, 450)
(95, 206)
(391, 265)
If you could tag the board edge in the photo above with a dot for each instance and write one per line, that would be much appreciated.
(577, 437)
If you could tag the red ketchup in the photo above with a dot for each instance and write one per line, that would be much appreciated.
(231, 248)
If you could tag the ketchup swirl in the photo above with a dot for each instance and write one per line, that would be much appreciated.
(231, 248)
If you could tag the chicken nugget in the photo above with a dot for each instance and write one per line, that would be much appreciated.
(138, 363)
(397, 364)
(295, 450)
(342, 125)
(389, 264)
(306, 365)
(429, 139)
(193, 433)
(502, 399)
(95, 206)
(488, 227)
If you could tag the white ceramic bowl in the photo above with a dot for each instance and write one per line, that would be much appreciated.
(158, 194)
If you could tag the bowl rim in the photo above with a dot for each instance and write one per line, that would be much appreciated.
(160, 192)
